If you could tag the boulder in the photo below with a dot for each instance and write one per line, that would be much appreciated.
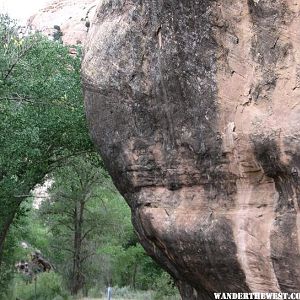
(194, 106)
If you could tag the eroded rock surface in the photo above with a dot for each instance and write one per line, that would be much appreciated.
(195, 108)
(70, 15)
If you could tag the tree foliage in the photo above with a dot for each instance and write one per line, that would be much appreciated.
(90, 232)
(74, 215)
(42, 118)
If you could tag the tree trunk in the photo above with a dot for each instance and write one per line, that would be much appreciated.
(4, 232)
(134, 276)
(15, 202)
(77, 278)
(4, 227)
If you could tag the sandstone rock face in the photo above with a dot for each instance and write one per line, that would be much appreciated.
(195, 108)
(70, 15)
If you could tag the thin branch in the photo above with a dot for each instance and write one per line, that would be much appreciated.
(17, 61)
(86, 233)
(64, 249)
(65, 224)
(66, 157)
(87, 256)
(18, 98)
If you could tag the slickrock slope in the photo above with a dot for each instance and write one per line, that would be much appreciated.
(70, 15)
(195, 107)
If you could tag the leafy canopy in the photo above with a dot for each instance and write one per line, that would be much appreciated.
(42, 120)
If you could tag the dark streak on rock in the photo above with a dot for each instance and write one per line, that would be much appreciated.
(283, 237)
(267, 49)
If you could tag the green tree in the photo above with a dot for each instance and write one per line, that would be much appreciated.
(42, 118)
(74, 214)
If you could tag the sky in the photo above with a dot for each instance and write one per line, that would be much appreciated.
(21, 9)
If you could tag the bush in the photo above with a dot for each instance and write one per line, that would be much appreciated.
(165, 288)
(96, 292)
(48, 287)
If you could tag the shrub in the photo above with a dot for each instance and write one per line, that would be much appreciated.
(48, 287)
(165, 288)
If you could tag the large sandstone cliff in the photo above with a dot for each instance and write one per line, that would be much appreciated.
(70, 15)
(195, 105)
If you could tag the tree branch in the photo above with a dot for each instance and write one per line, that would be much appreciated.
(18, 98)
(86, 233)
(14, 64)
(87, 256)
(64, 249)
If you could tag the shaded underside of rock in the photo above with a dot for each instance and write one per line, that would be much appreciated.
(195, 107)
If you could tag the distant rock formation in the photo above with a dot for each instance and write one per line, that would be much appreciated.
(72, 17)
(195, 107)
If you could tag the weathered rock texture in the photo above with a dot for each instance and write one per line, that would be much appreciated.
(195, 108)
(70, 15)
